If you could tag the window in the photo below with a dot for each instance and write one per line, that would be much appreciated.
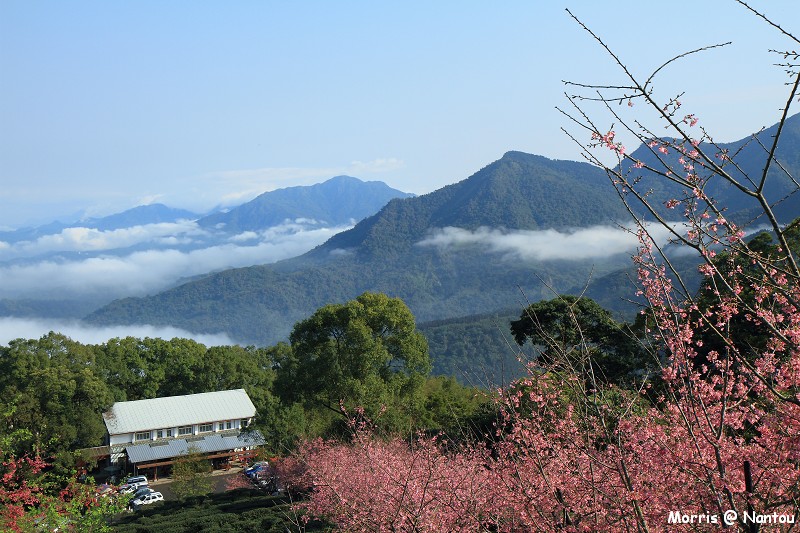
(185, 430)
(205, 428)
(160, 434)
(229, 424)
(143, 435)
(169, 432)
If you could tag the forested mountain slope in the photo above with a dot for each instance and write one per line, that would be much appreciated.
(383, 253)
(519, 191)
(461, 250)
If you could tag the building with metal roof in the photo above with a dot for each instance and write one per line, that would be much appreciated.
(153, 432)
(174, 411)
(157, 452)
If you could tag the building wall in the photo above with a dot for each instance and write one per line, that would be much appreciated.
(119, 441)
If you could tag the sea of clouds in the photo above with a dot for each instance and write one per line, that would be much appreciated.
(579, 244)
(90, 264)
(86, 262)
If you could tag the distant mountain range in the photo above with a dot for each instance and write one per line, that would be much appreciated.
(782, 190)
(340, 200)
(99, 259)
(137, 216)
(749, 155)
(468, 248)
(404, 251)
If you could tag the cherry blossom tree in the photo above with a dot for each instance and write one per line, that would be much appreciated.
(33, 499)
(19, 490)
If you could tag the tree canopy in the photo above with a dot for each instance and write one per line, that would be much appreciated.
(577, 334)
(365, 353)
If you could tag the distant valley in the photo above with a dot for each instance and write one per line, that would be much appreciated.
(521, 229)
(67, 270)
(463, 258)
(517, 229)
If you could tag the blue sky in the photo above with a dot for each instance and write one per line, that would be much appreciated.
(108, 105)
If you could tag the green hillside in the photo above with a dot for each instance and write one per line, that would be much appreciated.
(519, 191)
(477, 350)
(748, 157)
(386, 252)
(382, 254)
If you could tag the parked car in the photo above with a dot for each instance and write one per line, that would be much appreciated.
(147, 499)
(256, 468)
(132, 484)
(142, 491)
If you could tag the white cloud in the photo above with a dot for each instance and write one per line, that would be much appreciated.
(340, 252)
(580, 244)
(81, 239)
(244, 236)
(149, 271)
(596, 242)
(174, 241)
(300, 221)
(34, 328)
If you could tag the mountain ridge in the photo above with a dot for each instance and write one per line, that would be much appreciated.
(135, 216)
(174, 244)
(336, 201)
(518, 195)
(381, 253)
(498, 186)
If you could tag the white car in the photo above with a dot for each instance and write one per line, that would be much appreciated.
(142, 491)
(147, 499)
(133, 483)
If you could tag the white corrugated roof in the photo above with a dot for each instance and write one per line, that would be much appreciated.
(174, 411)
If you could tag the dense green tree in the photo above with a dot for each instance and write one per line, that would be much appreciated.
(750, 334)
(151, 367)
(181, 359)
(459, 411)
(191, 475)
(365, 353)
(131, 368)
(235, 367)
(51, 399)
(576, 334)
(476, 350)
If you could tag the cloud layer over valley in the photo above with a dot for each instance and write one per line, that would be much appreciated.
(86, 262)
(596, 242)
(12, 328)
(97, 266)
